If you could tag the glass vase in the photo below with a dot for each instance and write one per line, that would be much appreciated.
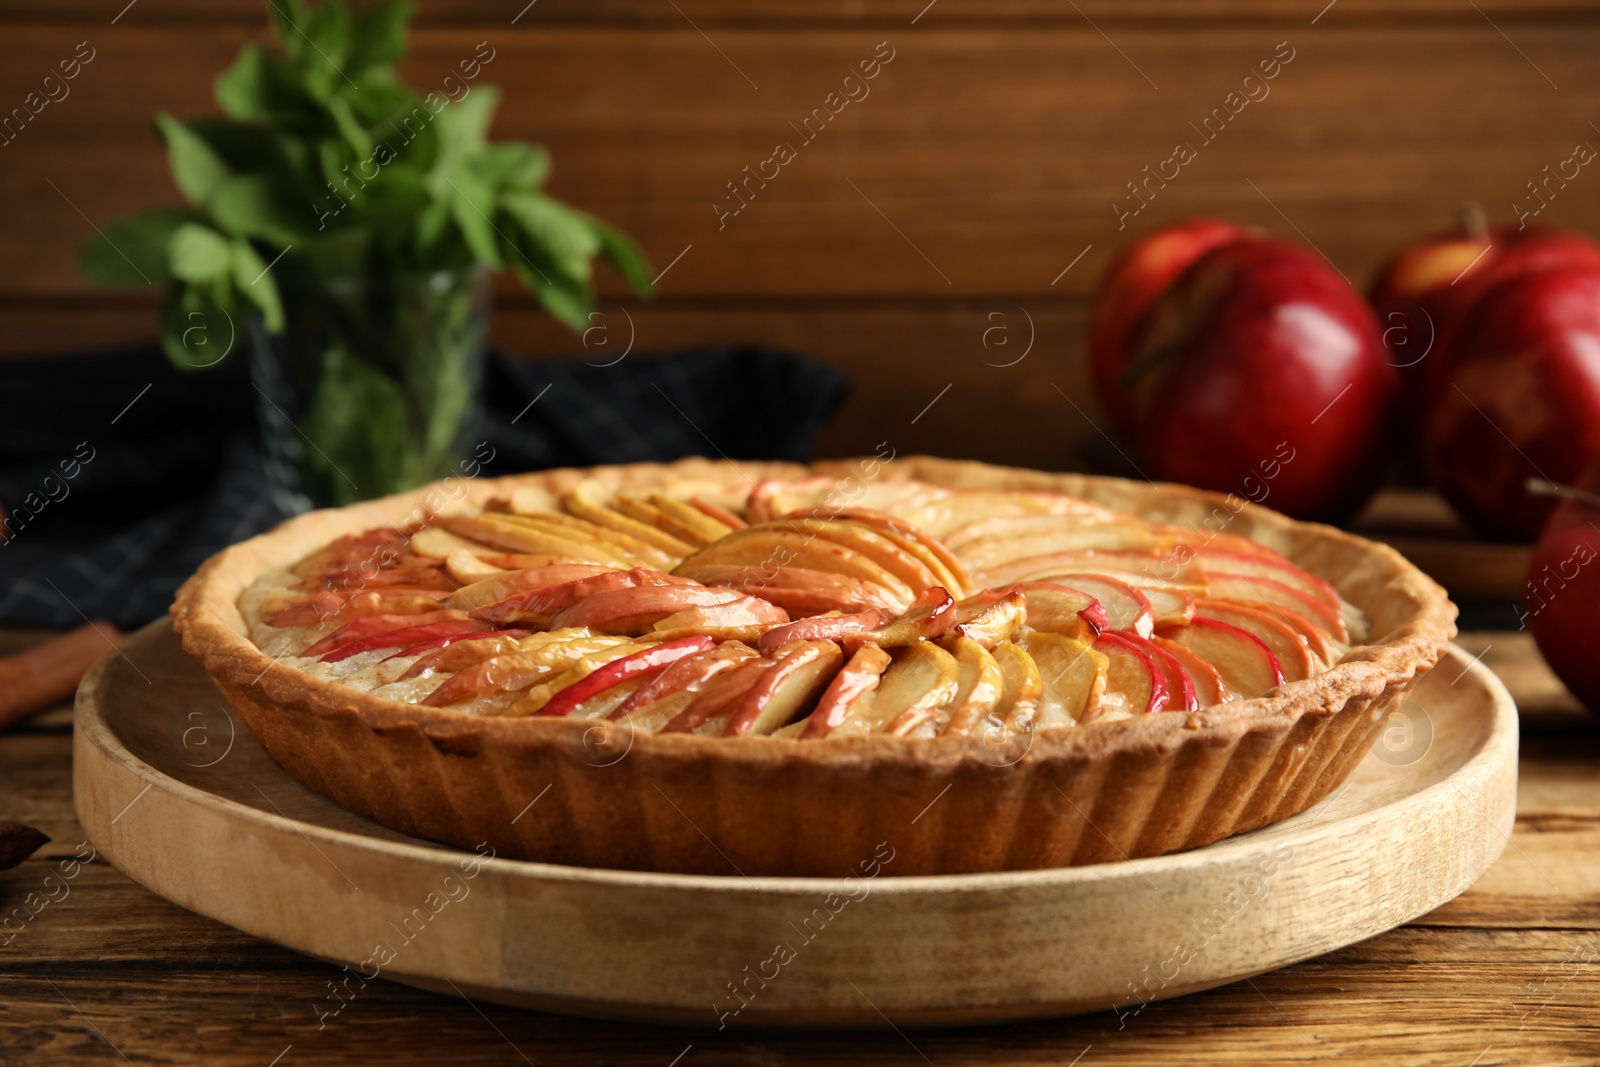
(373, 386)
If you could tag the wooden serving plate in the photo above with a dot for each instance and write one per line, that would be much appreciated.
(185, 802)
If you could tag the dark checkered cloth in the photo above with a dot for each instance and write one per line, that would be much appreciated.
(164, 469)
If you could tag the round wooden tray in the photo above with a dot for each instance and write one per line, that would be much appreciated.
(180, 798)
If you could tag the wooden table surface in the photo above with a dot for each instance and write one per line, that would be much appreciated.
(107, 972)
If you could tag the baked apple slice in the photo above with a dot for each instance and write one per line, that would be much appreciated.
(1181, 692)
(855, 682)
(981, 685)
(1022, 688)
(684, 678)
(635, 610)
(529, 666)
(1268, 591)
(404, 637)
(507, 534)
(770, 499)
(1142, 567)
(1073, 674)
(715, 511)
(923, 679)
(1124, 606)
(570, 527)
(745, 618)
(793, 681)
(948, 571)
(1321, 645)
(800, 591)
(539, 604)
(588, 500)
(438, 543)
(1135, 685)
(782, 546)
(1209, 688)
(1247, 666)
(992, 616)
(709, 708)
(931, 615)
(368, 625)
(830, 627)
(1061, 609)
(314, 609)
(635, 666)
(1217, 562)
(466, 652)
(499, 587)
(943, 513)
(1292, 651)
(1130, 536)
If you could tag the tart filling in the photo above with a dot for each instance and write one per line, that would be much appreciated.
(917, 610)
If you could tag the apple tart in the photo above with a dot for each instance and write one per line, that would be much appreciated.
(769, 669)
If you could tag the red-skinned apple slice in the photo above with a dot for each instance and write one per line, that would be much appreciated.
(792, 682)
(1216, 562)
(930, 615)
(541, 605)
(855, 682)
(688, 674)
(1135, 685)
(1209, 689)
(1317, 638)
(1145, 568)
(451, 639)
(466, 652)
(1062, 609)
(1292, 651)
(948, 571)
(634, 610)
(721, 514)
(744, 619)
(529, 666)
(923, 679)
(1073, 674)
(367, 626)
(408, 635)
(800, 591)
(822, 628)
(1021, 692)
(318, 608)
(1181, 692)
(1267, 591)
(1247, 666)
(637, 665)
(1125, 607)
(992, 616)
(498, 587)
(980, 685)
(719, 697)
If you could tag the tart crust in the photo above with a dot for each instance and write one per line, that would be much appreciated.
(600, 795)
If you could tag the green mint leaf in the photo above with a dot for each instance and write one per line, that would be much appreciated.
(378, 38)
(197, 253)
(512, 165)
(196, 169)
(563, 236)
(464, 124)
(252, 278)
(472, 206)
(622, 253)
(133, 251)
(252, 205)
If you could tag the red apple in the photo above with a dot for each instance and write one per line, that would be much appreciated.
(1443, 276)
(1562, 603)
(1259, 372)
(1522, 401)
(1127, 288)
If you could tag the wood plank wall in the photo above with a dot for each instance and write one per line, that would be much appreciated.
(923, 238)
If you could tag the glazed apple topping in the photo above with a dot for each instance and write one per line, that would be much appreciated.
(915, 611)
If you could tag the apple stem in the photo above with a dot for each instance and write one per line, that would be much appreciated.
(1540, 487)
(1475, 221)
